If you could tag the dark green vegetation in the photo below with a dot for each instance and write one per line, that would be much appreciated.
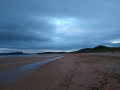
(99, 48)
(96, 49)
(52, 53)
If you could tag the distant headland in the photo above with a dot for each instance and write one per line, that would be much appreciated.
(96, 49)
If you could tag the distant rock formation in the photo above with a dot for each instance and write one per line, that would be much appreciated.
(12, 53)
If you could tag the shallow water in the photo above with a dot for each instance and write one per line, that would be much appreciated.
(12, 75)
(31, 55)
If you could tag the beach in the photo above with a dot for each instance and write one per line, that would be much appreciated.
(72, 72)
(7, 63)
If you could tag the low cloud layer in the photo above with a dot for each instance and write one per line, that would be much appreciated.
(58, 25)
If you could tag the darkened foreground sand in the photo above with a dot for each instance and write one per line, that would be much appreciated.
(73, 72)
(8, 63)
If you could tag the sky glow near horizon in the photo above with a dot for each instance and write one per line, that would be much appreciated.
(115, 41)
(58, 25)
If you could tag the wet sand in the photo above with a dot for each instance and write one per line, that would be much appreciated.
(8, 63)
(72, 72)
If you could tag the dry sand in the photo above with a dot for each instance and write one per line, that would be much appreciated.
(108, 53)
(73, 72)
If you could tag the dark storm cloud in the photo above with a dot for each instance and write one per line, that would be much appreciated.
(20, 36)
(12, 32)
(58, 24)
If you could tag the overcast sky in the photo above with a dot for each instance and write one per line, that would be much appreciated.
(58, 25)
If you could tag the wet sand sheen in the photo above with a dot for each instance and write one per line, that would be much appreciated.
(11, 75)
(73, 72)
(8, 63)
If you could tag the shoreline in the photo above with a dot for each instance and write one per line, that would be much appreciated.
(12, 75)
(8, 63)
(73, 72)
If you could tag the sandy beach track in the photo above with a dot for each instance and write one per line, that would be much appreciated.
(73, 72)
